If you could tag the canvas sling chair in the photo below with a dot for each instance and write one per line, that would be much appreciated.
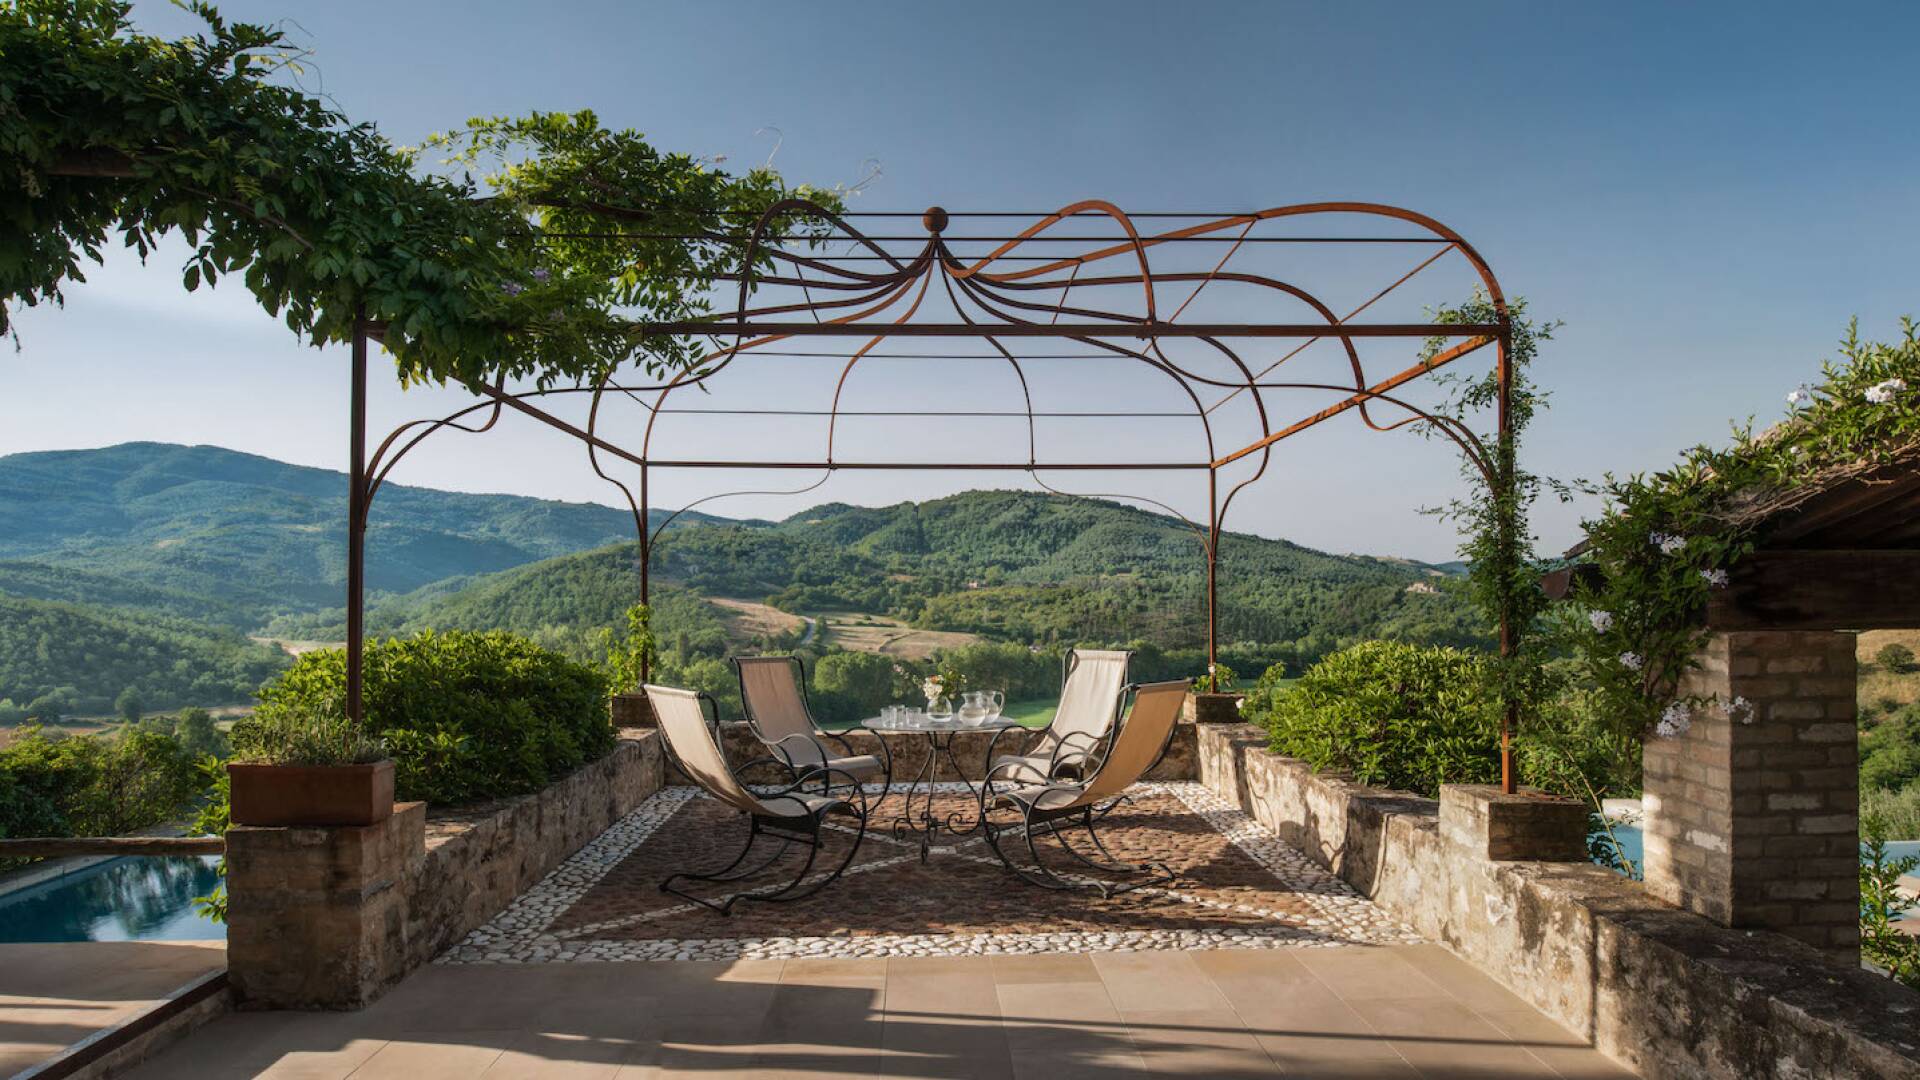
(1091, 693)
(773, 695)
(789, 815)
(1048, 808)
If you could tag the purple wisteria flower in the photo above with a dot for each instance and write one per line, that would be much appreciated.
(1668, 543)
(512, 288)
(1801, 395)
(1715, 578)
(1632, 661)
(542, 274)
(1740, 709)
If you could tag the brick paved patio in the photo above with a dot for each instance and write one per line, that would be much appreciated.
(1235, 886)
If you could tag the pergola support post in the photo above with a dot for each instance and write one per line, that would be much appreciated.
(1752, 814)
(357, 521)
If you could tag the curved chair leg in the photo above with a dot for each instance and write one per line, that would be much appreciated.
(1157, 872)
(729, 872)
(793, 890)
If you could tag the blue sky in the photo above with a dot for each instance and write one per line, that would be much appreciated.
(1705, 195)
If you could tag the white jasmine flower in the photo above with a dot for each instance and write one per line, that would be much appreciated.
(1674, 721)
(1882, 392)
(1802, 395)
(1716, 578)
(1632, 661)
(1740, 709)
(1602, 620)
(1668, 543)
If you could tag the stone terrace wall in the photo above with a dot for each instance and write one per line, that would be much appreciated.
(1665, 992)
(329, 918)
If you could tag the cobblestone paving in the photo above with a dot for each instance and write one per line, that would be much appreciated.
(1236, 885)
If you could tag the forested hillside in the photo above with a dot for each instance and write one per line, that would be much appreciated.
(60, 659)
(215, 534)
(142, 565)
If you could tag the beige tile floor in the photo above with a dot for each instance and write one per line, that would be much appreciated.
(1403, 1011)
(56, 994)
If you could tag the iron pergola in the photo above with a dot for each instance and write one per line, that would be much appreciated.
(1198, 309)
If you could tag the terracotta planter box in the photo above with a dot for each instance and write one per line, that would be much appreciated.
(312, 794)
(1215, 708)
(632, 711)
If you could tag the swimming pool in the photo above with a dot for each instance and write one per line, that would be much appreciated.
(128, 899)
(1632, 847)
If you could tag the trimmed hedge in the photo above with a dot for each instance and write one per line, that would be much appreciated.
(1390, 715)
(467, 716)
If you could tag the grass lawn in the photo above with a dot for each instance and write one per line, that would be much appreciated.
(1033, 713)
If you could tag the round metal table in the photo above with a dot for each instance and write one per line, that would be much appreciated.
(919, 790)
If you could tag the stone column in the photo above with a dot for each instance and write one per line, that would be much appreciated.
(317, 917)
(1752, 815)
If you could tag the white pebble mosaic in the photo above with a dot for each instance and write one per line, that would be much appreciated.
(523, 934)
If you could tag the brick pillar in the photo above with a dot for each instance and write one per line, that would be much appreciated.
(1752, 820)
(316, 917)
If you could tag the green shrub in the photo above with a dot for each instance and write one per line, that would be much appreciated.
(465, 715)
(1894, 814)
(1894, 657)
(1390, 715)
(93, 785)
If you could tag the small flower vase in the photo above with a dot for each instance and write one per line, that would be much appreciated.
(939, 707)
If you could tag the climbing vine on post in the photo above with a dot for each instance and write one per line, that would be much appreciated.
(1497, 541)
(1664, 541)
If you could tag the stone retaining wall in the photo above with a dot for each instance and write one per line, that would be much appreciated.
(909, 751)
(329, 918)
(1665, 992)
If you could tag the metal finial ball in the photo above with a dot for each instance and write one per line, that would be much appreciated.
(935, 219)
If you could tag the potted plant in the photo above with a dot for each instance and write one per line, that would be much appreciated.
(628, 665)
(296, 766)
(1213, 700)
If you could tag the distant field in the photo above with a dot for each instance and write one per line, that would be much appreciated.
(1034, 713)
(1876, 683)
(862, 632)
(295, 648)
(746, 619)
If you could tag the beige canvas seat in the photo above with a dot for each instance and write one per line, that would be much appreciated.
(773, 695)
(1071, 744)
(1047, 807)
(789, 816)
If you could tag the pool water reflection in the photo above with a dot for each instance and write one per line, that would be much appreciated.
(129, 899)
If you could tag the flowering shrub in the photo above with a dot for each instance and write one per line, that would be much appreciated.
(1665, 541)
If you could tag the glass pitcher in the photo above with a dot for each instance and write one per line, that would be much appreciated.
(973, 707)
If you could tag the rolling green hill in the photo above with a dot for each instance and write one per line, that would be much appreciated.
(151, 560)
(79, 659)
(234, 538)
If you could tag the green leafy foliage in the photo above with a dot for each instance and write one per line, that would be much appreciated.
(1890, 752)
(465, 715)
(1664, 540)
(1881, 944)
(323, 219)
(1387, 714)
(93, 785)
(63, 659)
(1895, 657)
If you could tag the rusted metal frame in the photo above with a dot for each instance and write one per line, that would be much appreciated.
(1503, 486)
(974, 293)
(379, 466)
(840, 386)
(939, 466)
(357, 496)
(1375, 391)
(988, 239)
(1133, 244)
(1375, 298)
(1026, 392)
(772, 331)
(1238, 243)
